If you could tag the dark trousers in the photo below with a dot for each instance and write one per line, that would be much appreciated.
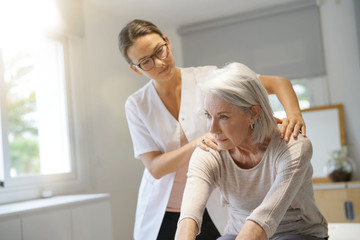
(169, 224)
(287, 237)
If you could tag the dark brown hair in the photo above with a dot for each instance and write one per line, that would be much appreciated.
(134, 29)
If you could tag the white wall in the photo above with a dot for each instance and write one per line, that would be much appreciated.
(110, 82)
(341, 50)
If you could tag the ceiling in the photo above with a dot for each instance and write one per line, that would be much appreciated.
(176, 13)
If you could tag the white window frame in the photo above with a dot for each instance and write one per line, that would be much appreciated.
(318, 93)
(30, 187)
(318, 90)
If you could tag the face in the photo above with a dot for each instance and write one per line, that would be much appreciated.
(228, 123)
(147, 46)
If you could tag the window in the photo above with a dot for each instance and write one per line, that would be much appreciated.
(35, 108)
(310, 92)
(37, 135)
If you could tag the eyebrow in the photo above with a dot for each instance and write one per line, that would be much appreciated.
(155, 49)
(219, 113)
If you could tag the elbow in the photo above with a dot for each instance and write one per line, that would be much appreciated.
(155, 173)
(157, 176)
(153, 164)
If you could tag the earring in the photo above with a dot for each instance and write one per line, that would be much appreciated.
(252, 126)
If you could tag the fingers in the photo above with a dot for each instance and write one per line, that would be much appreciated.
(202, 144)
(289, 130)
(283, 127)
(303, 130)
(292, 128)
(296, 130)
(277, 120)
(207, 142)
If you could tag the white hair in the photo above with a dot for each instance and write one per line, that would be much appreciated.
(239, 85)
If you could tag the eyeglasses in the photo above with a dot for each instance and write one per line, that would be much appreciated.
(148, 63)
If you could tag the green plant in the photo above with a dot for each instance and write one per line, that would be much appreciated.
(339, 168)
(339, 157)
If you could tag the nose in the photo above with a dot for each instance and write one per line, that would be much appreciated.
(158, 61)
(213, 126)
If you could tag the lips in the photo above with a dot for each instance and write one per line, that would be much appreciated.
(221, 140)
(164, 70)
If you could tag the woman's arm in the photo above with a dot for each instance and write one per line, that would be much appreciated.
(199, 185)
(292, 162)
(285, 93)
(159, 164)
(251, 231)
(186, 230)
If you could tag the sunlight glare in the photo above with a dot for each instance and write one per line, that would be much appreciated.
(22, 22)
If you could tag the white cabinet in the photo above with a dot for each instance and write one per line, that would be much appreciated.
(10, 228)
(92, 222)
(73, 217)
(54, 224)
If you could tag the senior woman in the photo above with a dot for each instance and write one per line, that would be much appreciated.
(265, 182)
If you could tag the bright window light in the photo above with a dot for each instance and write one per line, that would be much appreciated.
(300, 87)
(35, 96)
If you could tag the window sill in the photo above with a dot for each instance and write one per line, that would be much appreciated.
(14, 209)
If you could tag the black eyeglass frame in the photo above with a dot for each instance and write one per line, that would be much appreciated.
(152, 57)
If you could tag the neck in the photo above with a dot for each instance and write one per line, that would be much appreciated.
(170, 84)
(249, 155)
(170, 93)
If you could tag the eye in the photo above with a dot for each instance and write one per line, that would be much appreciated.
(145, 62)
(223, 117)
(207, 115)
(161, 53)
(160, 50)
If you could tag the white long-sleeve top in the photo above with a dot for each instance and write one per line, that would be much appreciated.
(277, 193)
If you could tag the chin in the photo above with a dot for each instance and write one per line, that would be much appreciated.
(226, 146)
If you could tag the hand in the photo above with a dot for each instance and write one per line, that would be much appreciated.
(206, 142)
(251, 231)
(187, 229)
(293, 125)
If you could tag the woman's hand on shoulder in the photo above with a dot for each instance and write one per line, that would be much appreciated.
(206, 142)
(292, 126)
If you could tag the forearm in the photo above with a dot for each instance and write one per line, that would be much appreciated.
(284, 91)
(187, 230)
(159, 164)
(251, 231)
(198, 188)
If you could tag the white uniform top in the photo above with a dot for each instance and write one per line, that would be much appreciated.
(153, 128)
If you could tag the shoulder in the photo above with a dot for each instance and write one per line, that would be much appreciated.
(139, 96)
(199, 69)
(301, 142)
(292, 155)
(198, 73)
(199, 153)
(208, 158)
(299, 149)
(206, 165)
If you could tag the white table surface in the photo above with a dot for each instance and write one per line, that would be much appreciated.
(344, 231)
